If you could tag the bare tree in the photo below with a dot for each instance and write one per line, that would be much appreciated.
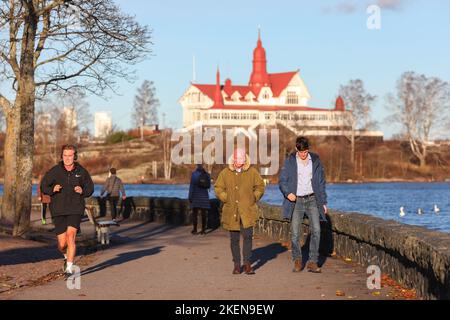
(145, 106)
(421, 106)
(358, 103)
(49, 45)
(167, 152)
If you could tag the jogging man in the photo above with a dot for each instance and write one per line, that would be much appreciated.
(68, 184)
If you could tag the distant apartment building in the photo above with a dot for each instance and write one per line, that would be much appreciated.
(103, 124)
(70, 117)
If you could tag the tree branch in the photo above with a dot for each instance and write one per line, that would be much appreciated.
(42, 37)
(6, 104)
(51, 6)
(67, 77)
(62, 56)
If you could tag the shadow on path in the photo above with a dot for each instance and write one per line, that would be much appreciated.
(264, 254)
(123, 258)
(28, 255)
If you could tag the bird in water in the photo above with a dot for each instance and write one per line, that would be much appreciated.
(420, 211)
(436, 209)
(402, 212)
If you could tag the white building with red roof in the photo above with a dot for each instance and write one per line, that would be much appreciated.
(268, 99)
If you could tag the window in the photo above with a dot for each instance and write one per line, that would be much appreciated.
(225, 116)
(267, 116)
(292, 97)
(254, 116)
(234, 116)
(236, 96)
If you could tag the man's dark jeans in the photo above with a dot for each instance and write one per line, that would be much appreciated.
(113, 205)
(306, 206)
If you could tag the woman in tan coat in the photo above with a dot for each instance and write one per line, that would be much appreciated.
(239, 187)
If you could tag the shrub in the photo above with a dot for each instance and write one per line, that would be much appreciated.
(118, 136)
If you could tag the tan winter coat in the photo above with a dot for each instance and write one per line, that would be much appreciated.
(239, 193)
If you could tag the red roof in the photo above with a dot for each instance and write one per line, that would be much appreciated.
(279, 82)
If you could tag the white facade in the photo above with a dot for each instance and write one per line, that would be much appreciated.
(70, 117)
(289, 108)
(103, 124)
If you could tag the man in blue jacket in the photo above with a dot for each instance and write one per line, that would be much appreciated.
(302, 182)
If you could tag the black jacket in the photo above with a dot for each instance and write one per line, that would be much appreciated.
(67, 201)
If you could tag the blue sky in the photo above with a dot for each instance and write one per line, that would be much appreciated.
(327, 40)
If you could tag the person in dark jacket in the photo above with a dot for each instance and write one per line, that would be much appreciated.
(302, 182)
(113, 187)
(199, 197)
(68, 184)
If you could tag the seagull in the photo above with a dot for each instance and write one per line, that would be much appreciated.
(436, 209)
(402, 212)
(420, 211)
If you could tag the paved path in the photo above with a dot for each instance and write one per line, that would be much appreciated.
(156, 261)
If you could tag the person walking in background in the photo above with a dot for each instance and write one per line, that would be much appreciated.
(239, 187)
(68, 184)
(44, 199)
(302, 182)
(199, 197)
(113, 187)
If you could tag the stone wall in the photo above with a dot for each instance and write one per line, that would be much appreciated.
(164, 210)
(414, 256)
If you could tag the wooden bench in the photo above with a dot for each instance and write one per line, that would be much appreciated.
(102, 228)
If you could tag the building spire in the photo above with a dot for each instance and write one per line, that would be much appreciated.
(193, 69)
(259, 77)
(218, 99)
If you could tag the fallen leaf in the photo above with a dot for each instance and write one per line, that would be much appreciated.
(348, 260)
(376, 293)
(340, 293)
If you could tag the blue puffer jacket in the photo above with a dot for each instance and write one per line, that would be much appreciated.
(288, 184)
(198, 197)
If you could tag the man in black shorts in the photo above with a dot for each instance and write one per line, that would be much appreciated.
(68, 184)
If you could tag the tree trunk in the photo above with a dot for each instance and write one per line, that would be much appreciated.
(352, 142)
(422, 159)
(10, 154)
(25, 105)
(25, 154)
